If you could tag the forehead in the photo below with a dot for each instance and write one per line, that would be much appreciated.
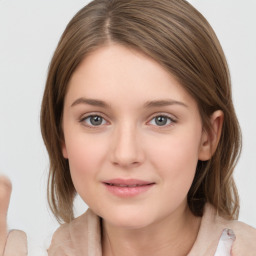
(115, 72)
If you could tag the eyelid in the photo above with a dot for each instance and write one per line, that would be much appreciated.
(171, 117)
(82, 117)
(87, 115)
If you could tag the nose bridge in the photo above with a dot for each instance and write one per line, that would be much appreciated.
(126, 150)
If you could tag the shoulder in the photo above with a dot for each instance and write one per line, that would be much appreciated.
(16, 243)
(245, 243)
(245, 236)
(212, 227)
(76, 237)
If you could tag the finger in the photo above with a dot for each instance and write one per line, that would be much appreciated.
(5, 193)
(16, 244)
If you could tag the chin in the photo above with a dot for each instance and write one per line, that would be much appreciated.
(130, 223)
(128, 219)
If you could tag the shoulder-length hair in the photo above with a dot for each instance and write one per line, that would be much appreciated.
(179, 38)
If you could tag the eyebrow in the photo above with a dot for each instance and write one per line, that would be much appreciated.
(92, 102)
(163, 103)
(148, 104)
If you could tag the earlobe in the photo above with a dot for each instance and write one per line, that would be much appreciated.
(210, 139)
(64, 150)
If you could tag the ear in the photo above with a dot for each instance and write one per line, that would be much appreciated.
(210, 139)
(64, 150)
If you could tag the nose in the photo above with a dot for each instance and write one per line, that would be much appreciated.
(127, 150)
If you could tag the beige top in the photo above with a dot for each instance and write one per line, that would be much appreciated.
(83, 236)
(16, 244)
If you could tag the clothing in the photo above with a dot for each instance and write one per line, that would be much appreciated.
(82, 237)
(16, 244)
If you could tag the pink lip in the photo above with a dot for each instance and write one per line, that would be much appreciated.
(127, 188)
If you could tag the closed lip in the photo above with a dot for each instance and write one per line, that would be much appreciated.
(127, 182)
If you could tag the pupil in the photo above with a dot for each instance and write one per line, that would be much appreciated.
(161, 120)
(96, 120)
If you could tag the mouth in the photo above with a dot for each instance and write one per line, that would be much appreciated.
(127, 188)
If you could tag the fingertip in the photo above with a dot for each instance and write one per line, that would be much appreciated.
(4, 180)
(5, 193)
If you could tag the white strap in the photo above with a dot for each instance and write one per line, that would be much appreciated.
(225, 243)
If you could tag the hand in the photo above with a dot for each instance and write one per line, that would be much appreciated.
(15, 242)
(5, 194)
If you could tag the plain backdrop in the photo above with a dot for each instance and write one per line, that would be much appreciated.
(29, 32)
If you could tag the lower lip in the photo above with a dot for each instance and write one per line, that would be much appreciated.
(128, 191)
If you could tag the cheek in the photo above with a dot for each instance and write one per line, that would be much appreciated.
(85, 155)
(176, 159)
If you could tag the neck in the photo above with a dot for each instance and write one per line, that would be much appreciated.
(173, 235)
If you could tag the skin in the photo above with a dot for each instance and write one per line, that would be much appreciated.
(13, 242)
(129, 91)
(5, 194)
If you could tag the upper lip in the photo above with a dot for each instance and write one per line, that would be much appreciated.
(128, 182)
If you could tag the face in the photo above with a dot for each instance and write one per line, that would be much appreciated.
(133, 137)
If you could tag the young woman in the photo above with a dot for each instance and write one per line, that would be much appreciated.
(132, 136)
(138, 119)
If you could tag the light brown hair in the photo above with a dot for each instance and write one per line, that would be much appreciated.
(179, 38)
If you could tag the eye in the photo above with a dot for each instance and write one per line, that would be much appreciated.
(161, 120)
(94, 120)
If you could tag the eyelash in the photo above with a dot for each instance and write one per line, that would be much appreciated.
(170, 120)
(83, 119)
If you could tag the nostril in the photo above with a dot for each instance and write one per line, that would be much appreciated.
(123, 163)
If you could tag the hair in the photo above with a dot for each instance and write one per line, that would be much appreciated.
(179, 38)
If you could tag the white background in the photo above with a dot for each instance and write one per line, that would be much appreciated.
(29, 32)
